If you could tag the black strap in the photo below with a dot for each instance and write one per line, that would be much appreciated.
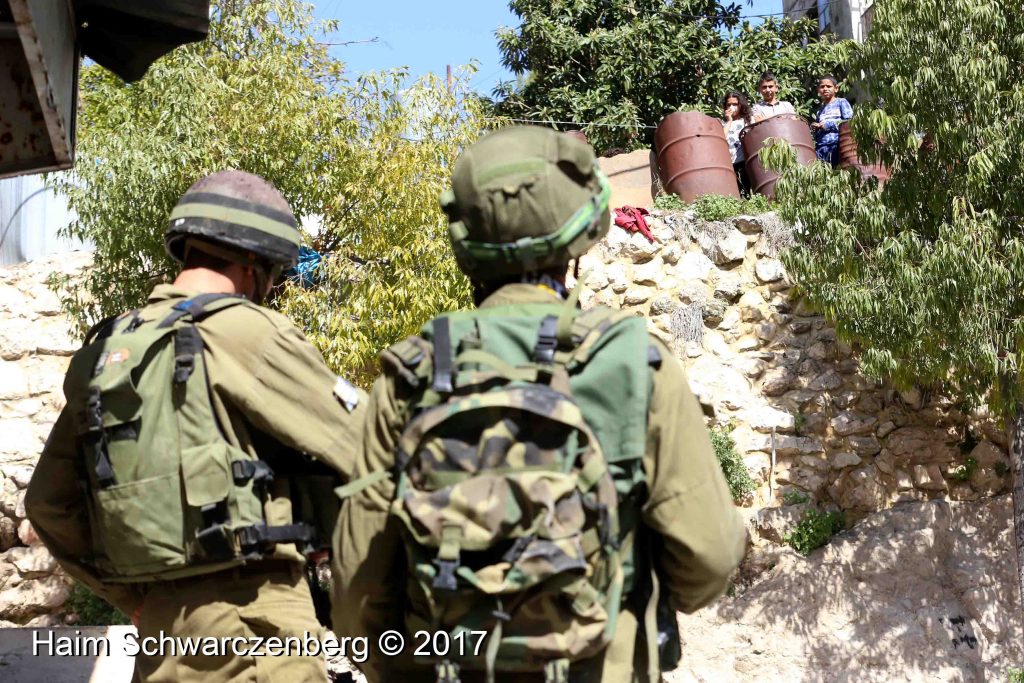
(252, 538)
(213, 537)
(97, 439)
(195, 307)
(258, 471)
(442, 356)
(187, 343)
(100, 330)
(547, 340)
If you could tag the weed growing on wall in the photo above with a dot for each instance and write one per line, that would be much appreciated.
(814, 530)
(736, 475)
(713, 207)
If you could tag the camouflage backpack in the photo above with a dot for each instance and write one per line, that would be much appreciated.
(168, 496)
(519, 480)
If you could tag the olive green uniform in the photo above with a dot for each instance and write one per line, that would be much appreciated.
(271, 394)
(702, 537)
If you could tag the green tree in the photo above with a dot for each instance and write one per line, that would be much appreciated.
(927, 273)
(366, 157)
(625, 64)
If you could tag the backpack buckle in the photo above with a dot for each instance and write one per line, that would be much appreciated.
(256, 470)
(547, 340)
(446, 579)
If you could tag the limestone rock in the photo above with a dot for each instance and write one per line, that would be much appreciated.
(769, 270)
(775, 523)
(719, 385)
(26, 534)
(865, 445)
(13, 381)
(32, 562)
(777, 382)
(987, 454)
(787, 445)
(843, 459)
(618, 277)
(848, 423)
(728, 248)
(751, 306)
(8, 533)
(671, 254)
(730, 320)
(828, 381)
(857, 610)
(651, 273)
(748, 225)
(929, 478)
(29, 598)
(728, 286)
(638, 249)
(765, 418)
(636, 296)
(693, 265)
(922, 445)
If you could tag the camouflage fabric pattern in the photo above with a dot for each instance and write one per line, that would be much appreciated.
(513, 485)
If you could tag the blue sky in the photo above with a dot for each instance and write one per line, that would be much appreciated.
(426, 36)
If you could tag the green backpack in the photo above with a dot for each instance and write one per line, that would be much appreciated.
(167, 495)
(519, 481)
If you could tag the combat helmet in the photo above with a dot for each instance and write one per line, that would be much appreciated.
(236, 216)
(524, 199)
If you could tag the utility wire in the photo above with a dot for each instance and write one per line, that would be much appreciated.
(572, 123)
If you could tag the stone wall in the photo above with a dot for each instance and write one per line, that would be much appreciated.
(36, 343)
(772, 370)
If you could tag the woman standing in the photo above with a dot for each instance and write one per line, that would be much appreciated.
(737, 114)
(834, 110)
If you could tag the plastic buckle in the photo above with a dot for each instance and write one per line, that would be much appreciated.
(183, 367)
(446, 579)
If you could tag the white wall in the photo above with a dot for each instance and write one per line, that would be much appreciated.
(30, 218)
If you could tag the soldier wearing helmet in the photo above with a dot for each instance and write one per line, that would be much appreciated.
(525, 202)
(184, 479)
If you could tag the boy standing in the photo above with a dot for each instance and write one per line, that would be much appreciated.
(834, 110)
(769, 106)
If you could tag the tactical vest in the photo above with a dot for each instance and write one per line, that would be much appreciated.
(520, 480)
(167, 495)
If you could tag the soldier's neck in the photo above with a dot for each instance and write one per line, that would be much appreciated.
(207, 280)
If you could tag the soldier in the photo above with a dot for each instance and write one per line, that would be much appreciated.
(537, 494)
(183, 480)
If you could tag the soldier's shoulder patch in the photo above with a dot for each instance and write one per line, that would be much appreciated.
(346, 393)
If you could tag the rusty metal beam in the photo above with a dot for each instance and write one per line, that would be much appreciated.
(39, 67)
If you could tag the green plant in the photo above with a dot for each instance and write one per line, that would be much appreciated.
(712, 207)
(795, 497)
(799, 421)
(364, 158)
(736, 474)
(964, 472)
(91, 609)
(814, 530)
(1015, 675)
(1001, 468)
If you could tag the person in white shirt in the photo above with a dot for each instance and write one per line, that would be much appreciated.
(736, 116)
(769, 106)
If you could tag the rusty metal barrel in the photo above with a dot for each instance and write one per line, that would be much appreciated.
(848, 156)
(693, 156)
(789, 127)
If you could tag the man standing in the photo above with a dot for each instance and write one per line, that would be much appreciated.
(536, 486)
(183, 479)
(769, 105)
(833, 111)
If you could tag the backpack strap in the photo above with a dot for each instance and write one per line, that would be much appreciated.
(200, 306)
(442, 383)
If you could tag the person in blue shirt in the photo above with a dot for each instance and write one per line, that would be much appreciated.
(834, 110)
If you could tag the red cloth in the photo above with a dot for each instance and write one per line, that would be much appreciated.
(632, 219)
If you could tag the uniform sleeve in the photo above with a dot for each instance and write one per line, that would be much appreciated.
(689, 507)
(290, 395)
(369, 565)
(56, 506)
